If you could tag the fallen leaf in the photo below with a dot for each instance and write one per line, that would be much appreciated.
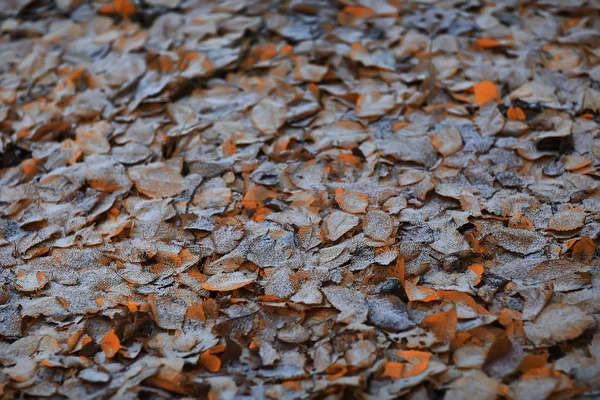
(157, 180)
(110, 344)
(351, 202)
(567, 220)
(223, 282)
(268, 116)
(338, 223)
(485, 91)
(557, 323)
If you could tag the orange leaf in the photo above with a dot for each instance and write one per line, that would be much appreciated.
(515, 114)
(110, 344)
(30, 167)
(419, 293)
(570, 23)
(397, 270)
(485, 91)
(106, 9)
(267, 52)
(133, 306)
(255, 196)
(443, 325)
(336, 371)
(294, 385)
(487, 43)
(165, 64)
(349, 158)
(229, 147)
(196, 311)
(260, 214)
(210, 361)
(584, 249)
(125, 8)
(417, 362)
(476, 269)
(465, 304)
(393, 369)
(358, 11)
(533, 361)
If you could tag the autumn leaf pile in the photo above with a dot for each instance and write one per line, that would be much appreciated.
(300, 199)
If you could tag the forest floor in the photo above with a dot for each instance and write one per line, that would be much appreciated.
(300, 199)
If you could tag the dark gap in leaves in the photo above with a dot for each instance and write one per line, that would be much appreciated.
(13, 156)
(562, 145)
(89, 349)
(555, 353)
(393, 286)
(147, 15)
(144, 326)
(232, 352)
(466, 228)
(32, 11)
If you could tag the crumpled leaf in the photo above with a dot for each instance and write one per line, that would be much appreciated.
(520, 240)
(110, 344)
(157, 180)
(557, 323)
(350, 302)
(268, 116)
(338, 223)
(229, 281)
(567, 220)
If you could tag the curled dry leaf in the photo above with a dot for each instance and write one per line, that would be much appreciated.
(223, 282)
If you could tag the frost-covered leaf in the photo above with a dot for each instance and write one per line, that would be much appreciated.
(557, 323)
(229, 281)
(157, 180)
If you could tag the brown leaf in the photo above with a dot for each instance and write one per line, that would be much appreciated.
(229, 281)
(557, 323)
(268, 116)
(338, 223)
(567, 220)
(157, 180)
(350, 303)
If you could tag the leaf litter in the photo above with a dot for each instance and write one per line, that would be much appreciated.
(234, 200)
